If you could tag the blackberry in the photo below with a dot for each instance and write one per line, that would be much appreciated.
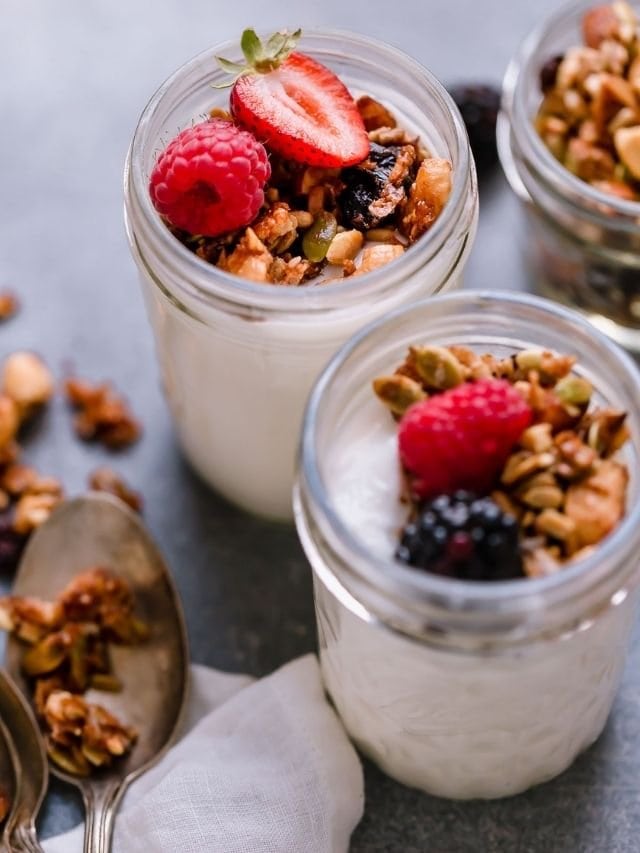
(479, 106)
(463, 536)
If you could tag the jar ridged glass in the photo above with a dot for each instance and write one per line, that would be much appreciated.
(464, 689)
(238, 358)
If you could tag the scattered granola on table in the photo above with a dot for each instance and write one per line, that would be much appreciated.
(102, 415)
(287, 196)
(511, 470)
(9, 305)
(106, 480)
(67, 652)
(590, 114)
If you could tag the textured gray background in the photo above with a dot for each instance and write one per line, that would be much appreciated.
(75, 75)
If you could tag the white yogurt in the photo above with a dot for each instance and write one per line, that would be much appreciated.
(456, 724)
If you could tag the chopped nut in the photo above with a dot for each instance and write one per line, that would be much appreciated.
(17, 478)
(605, 430)
(543, 496)
(277, 228)
(523, 463)
(627, 142)
(374, 114)
(377, 255)
(9, 305)
(598, 24)
(9, 420)
(344, 246)
(427, 197)
(398, 392)
(106, 480)
(103, 415)
(303, 218)
(537, 438)
(596, 504)
(388, 136)
(250, 259)
(27, 380)
(555, 524)
(33, 510)
(437, 367)
(589, 162)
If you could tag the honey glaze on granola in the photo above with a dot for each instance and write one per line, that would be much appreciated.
(378, 208)
(562, 481)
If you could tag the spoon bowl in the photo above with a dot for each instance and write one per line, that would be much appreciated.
(28, 784)
(99, 530)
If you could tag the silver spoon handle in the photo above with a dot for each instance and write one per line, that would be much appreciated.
(25, 840)
(101, 803)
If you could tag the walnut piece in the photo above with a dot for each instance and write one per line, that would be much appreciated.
(596, 504)
(102, 414)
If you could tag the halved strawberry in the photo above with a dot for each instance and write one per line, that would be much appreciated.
(295, 105)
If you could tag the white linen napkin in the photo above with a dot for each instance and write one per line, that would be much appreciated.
(261, 767)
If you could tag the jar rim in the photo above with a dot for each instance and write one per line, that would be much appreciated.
(578, 192)
(209, 282)
(509, 597)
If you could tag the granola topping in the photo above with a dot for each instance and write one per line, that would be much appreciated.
(562, 481)
(102, 415)
(590, 113)
(392, 197)
(66, 653)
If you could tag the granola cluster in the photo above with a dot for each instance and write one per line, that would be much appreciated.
(590, 114)
(102, 415)
(334, 223)
(67, 652)
(562, 482)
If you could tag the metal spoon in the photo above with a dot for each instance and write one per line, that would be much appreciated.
(30, 768)
(7, 778)
(99, 530)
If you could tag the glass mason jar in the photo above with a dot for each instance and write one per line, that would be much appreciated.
(238, 358)
(464, 689)
(579, 244)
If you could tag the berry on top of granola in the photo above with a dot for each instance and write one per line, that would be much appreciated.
(589, 117)
(297, 181)
(519, 431)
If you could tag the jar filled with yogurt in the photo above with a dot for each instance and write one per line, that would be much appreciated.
(569, 143)
(482, 682)
(238, 353)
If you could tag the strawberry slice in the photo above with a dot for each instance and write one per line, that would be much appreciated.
(295, 105)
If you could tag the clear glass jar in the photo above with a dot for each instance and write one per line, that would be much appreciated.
(237, 358)
(579, 244)
(463, 689)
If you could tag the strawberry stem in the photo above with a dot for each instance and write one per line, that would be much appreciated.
(260, 58)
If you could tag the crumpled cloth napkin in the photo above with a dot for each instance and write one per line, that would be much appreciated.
(261, 767)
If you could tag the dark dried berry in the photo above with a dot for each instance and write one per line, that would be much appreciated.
(364, 184)
(549, 73)
(464, 537)
(479, 106)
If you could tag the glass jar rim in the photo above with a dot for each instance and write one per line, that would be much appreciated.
(210, 283)
(581, 194)
(508, 598)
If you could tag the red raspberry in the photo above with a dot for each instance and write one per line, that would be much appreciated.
(460, 439)
(210, 178)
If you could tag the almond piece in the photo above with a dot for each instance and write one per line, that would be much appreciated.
(627, 142)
